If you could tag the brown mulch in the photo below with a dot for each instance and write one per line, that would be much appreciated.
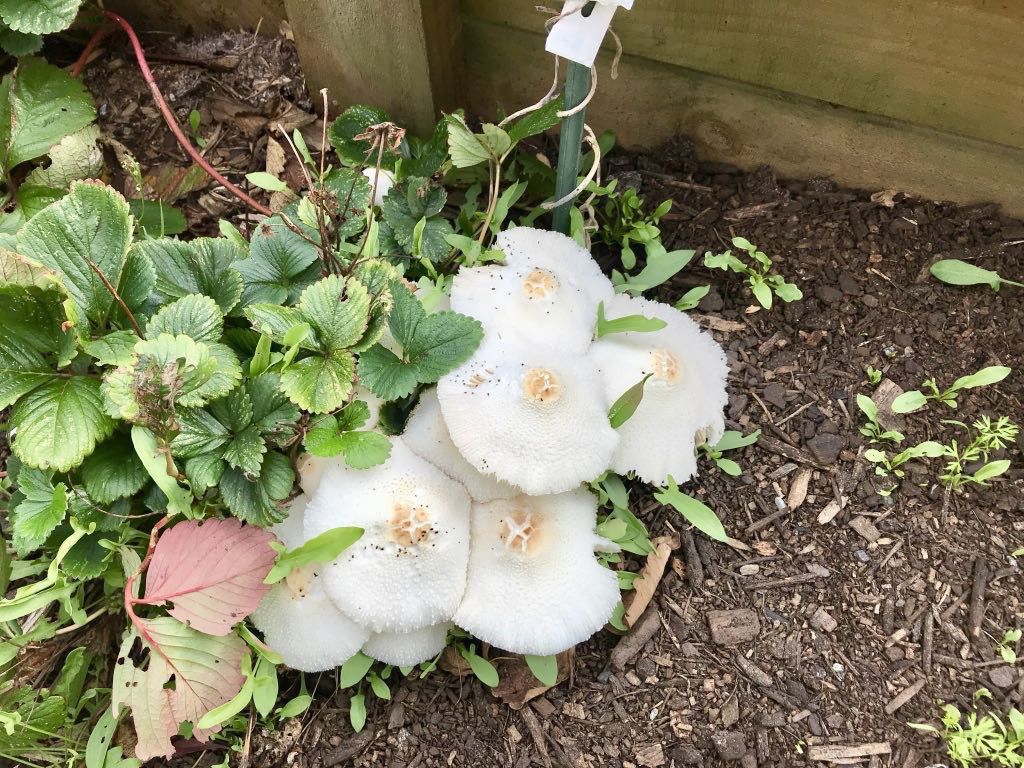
(852, 615)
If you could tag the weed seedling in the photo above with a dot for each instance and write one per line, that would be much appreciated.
(988, 436)
(1007, 647)
(957, 272)
(886, 465)
(874, 376)
(915, 399)
(872, 429)
(730, 441)
(758, 273)
(980, 739)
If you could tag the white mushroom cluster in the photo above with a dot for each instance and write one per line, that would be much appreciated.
(479, 518)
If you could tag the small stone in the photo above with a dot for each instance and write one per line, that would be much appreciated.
(776, 719)
(775, 394)
(869, 301)
(574, 710)
(823, 620)
(749, 569)
(865, 528)
(863, 556)
(731, 712)
(684, 754)
(731, 627)
(749, 760)
(828, 294)
(730, 745)
(1001, 677)
(826, 447)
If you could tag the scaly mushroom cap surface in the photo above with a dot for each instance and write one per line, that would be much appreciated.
(404, 649)
(549, 288)
(408, 570)
(683, 400)
(297, 618)
(533, 416)
(534, 586)
(427, 436)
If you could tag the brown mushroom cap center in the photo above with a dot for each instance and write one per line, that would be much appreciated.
(665, 366)
(409, 525)
(540, 284)
(541, 385)
(299, 581)
(519, 533)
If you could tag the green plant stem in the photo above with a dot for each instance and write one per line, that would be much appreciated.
(577, 86)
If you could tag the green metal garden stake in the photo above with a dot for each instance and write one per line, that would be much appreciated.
(577, 86)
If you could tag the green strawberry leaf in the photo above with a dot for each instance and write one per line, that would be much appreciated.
(255, 500)
(204, 266)
(349, 124)
(40, 512)
(39, 17)
(319, 384)
(279, 267)
(113, 471)
(59, 423)
(338, 311)
(196, 316)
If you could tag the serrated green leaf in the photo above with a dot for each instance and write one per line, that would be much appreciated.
(255, 500)
(535, 122)
(428, 156)
(116, 348)
(113, 471)
(156, 219)
(245, 451)
(410, 213)
(90, 225)
(320, 549)
(432, 345)
(196, 316)
(59, 423)
(349, 124)
(319, 383)
(200, 433)
(75, 157)
(273, 414)
(40, 104)
(204, 265)
(279, 267)
(363, 450)
(40, 17)
(41, 510)
(20, 43)
(18, 270)
(338, 310)
(226, 374)
(204, 471)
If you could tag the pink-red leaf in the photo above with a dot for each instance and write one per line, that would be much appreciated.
(211, 572)
(187, 675)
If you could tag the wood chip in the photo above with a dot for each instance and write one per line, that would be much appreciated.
(833, 752)
(649, 578)
(798, 488)
(828, 514)
(633, 642)
(865, 528)
(718, 323)
(651, 755)
(754, 672)
(904, 696)
(732, 627)
(824, 621)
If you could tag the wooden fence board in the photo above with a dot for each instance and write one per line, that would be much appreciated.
(730, 121)
(953, 65)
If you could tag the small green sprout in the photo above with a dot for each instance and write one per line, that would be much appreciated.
(692, 298)
(731, 441)
(874, 375)
(872, 429)
(957, 272)
(989, 436)
(980, 739)
(886, 465)
(762, 283)
(914, 399)
(1007, 647)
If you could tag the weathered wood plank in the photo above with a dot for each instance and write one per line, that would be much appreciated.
(952, 65)
(175, 15)
(373, 53)
(730, 121)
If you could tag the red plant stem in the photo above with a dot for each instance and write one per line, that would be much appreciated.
(95, 40)
(172, 122)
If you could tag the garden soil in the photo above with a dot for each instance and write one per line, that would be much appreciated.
(845, 614)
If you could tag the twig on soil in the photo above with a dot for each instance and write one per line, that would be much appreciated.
(632, 642)
(977, 610)
(789, 581)
(927, 641)
(904, 696)
(165, 110)
(350, 749)
(694, 568)
(533, 725)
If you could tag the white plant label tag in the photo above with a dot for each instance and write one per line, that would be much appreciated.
(577, 37)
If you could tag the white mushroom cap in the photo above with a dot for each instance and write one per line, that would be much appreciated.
(532, 416)
(549, 288)
(385, 181)
(404, 649)
(427, 436)
(297, 618)
(684, 396)
(534, 586)
(408, 570)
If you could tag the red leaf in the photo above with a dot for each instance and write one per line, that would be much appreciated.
(212, 572)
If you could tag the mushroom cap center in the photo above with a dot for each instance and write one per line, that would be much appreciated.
(541, 385)
(299, 581)
(540, 284)
(409, 524)
(665, 366)
(519, 533)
